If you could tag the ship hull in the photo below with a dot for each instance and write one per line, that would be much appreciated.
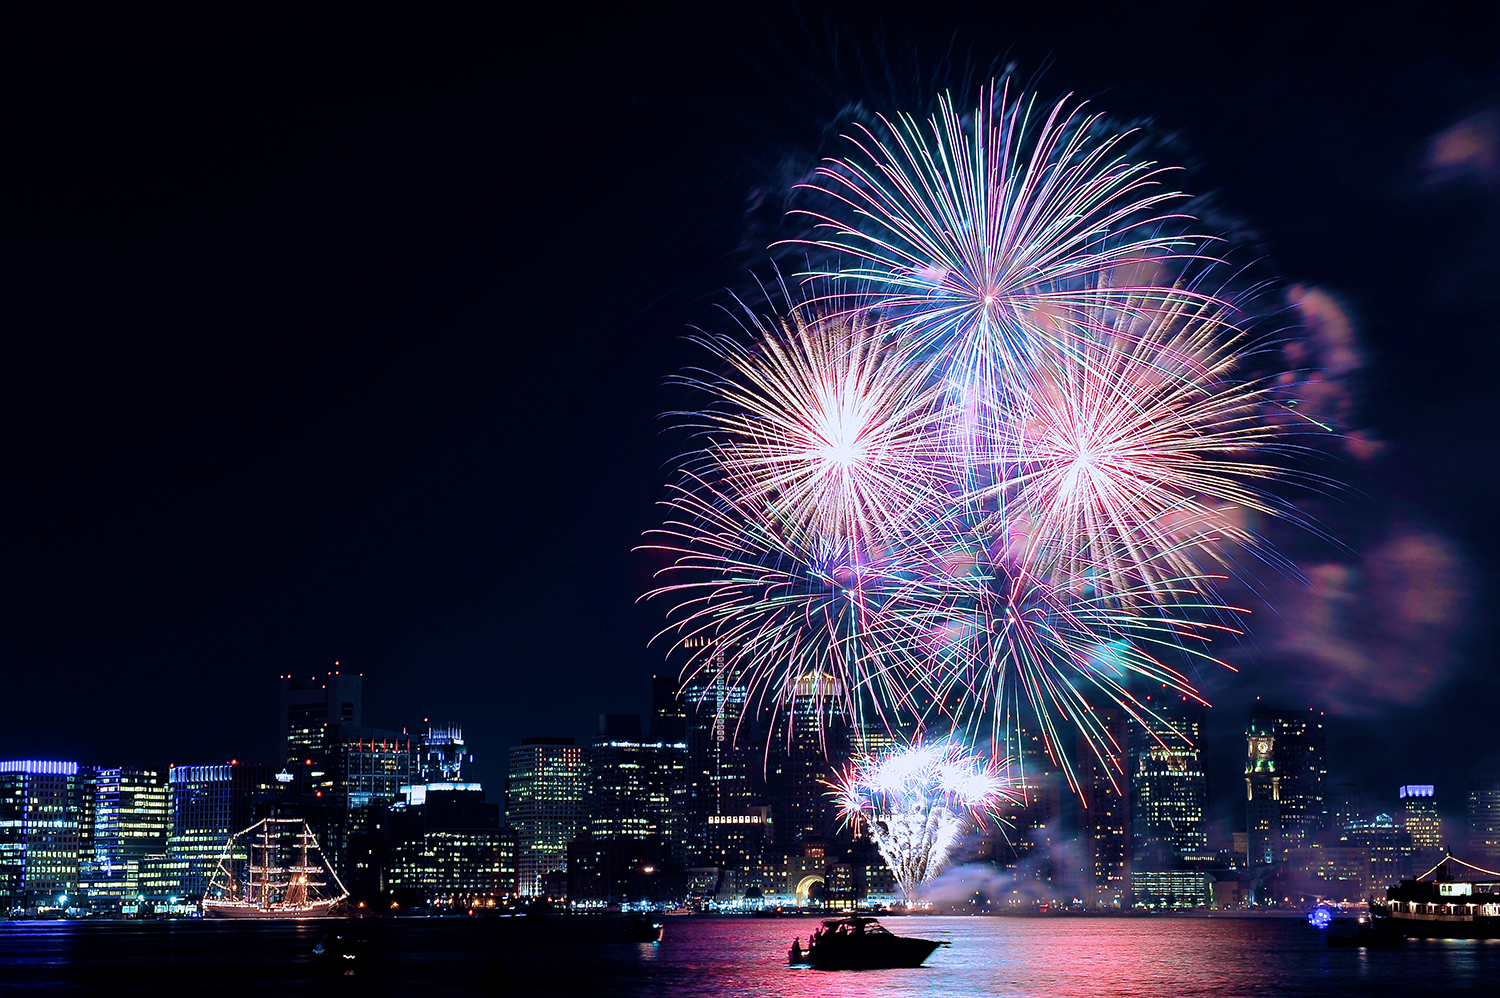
(1418, 926)
(220, 909)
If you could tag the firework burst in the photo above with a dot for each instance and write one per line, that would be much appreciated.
(972, 230)
(1130, 457)
(823, 417)
(1001, 468)
(917, 802)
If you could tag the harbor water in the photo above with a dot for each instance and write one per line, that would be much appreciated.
(703, 956)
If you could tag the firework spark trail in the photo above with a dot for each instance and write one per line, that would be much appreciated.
(825, 418)
(776, 601)
(988, 633)
(1129, 455)
(917, 803)
(968, 232)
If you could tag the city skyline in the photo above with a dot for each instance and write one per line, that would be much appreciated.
(236, 458)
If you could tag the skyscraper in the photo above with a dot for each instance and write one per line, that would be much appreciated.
(545, 804)
(632, 782)
(1104, 822)
(725, 768)
(444, 758)
(809, 737)
(448, 848)
(130, 822)
(1293, 771)
(207, 805)
(309, 707)
(39, 833)
(1168, 787)
(1262, 794)
(1419, 817)
(1484, 821)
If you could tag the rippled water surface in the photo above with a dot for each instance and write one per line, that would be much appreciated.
(1056, 957)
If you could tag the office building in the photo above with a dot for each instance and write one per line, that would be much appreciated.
(1168, 787)
(1262, 794)
(1389, 847)
(1301, 755)
(1484, 822)
(130, 820)
(309, 707)
(634, 784)
(725, 745)
(39, 833)
(809, 736)
(1419, 818)
(207, 804)
(444, 757)
(1104, 822)
(546, 798)
(448, 849)
(1290, 773)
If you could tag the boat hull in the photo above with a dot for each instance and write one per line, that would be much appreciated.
(888, 953)
(1420, 926)
(221, 909)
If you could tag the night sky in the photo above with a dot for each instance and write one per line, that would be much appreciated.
(347, 342)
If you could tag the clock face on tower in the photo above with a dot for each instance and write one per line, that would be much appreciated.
(1262, 747)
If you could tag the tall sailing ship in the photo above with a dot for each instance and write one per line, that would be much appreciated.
(273, 869)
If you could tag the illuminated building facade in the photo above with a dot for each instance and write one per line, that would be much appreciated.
(636, 786)
(1419, 817)
(448, 849)
(546, 801)
(309, 707)
(443, 756)
(207, 805)
(1300, 753)
(1165, 889)
(1168, 787)
(740, 841)
(130, 820)
(1262, 794)
(725, 771)
(1389, 847)
(1484, 822)
(39, 833)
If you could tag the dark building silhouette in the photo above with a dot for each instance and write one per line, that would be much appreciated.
(310, 706)
(1104, 823)
(809, 739)
(1484, 822)
(637, 787)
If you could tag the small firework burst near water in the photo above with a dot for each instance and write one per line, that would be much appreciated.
(918, 802)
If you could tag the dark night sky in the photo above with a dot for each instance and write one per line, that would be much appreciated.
(346, 341)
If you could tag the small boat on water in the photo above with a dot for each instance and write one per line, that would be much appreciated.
(640, 929)
(860, 943)
(1453, 900)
